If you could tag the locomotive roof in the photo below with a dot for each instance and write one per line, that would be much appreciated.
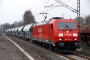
(40, 23)
(52, 20)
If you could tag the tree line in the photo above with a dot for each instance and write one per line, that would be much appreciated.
(27, 19)
(83, 20)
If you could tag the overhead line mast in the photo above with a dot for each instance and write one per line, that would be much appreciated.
(78, 11)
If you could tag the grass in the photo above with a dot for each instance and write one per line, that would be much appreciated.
(85, 50)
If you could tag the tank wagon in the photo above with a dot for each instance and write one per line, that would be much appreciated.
(20, 32)
(85, 33)
(16, 31)
(55, 33)
(27, 30)
(7, 32)
(13, 31)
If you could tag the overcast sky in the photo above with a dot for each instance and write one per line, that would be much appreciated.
(13, 10)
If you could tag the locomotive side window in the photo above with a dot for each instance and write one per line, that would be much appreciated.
(65, 25)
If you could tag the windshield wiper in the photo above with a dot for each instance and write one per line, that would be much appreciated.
(67, 27)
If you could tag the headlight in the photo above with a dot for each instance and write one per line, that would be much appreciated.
(60, 39)
(60, 34)
(75, 39)
(75, 34)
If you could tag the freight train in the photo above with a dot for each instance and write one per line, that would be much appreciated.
(56, 33)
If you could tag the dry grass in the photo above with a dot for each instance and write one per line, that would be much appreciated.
(0, 34)
(85, 50)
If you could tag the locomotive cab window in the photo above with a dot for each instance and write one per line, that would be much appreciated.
(66, 25)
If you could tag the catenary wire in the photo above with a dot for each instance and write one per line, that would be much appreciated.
(50, 8)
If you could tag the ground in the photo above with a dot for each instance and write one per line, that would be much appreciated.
(8, 51)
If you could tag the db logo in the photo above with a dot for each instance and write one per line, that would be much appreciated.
(40, 30)
(68, 34)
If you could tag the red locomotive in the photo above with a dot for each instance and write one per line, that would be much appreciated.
(58, 33)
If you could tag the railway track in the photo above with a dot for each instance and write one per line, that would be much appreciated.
(77, 56)
(67, 56)
(71, 56)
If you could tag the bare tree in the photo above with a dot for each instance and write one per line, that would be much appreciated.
(28, 17)
(87, 19)
(81, 22)
(20, 23)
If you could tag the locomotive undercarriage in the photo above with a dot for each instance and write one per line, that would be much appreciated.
(68, 46)
(61, 47)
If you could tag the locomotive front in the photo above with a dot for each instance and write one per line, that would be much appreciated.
(66, 34)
